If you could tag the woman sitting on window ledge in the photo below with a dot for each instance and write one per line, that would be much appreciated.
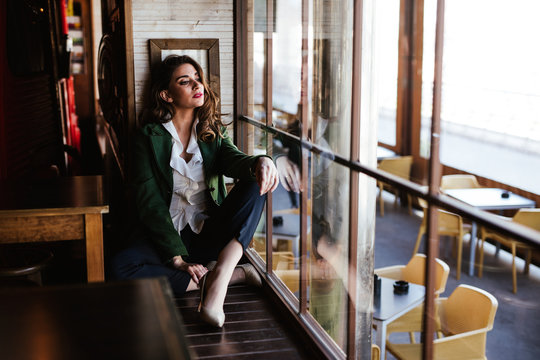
(184, 218)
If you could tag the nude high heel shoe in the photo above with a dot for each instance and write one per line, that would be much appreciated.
(212, 317)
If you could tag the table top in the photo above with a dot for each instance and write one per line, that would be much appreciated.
(389, 305)
(84, 193)
(490, 198)
(384, 153)
(123, 320)
(287, 225)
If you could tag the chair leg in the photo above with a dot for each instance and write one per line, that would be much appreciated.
(514, 274)
(381, 201)
(419, 239)
(459, 253)
(481, 256)
(409, 200)
(527, 261)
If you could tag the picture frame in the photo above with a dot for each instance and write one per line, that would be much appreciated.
(204, 51)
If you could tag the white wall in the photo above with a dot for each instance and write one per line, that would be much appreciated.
(181, 19)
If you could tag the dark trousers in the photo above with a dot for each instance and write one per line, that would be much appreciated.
(237, 217)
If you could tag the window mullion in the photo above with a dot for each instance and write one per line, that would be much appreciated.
(432, 244)
(304, 169)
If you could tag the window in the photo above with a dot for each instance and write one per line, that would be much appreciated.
(490, 118)
(318, 243)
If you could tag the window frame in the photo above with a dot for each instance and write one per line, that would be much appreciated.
(409, 112)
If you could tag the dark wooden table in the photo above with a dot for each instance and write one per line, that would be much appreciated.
(124, 320)
(63, 208)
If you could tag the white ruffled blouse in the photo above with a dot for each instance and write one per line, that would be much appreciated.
(189, 198)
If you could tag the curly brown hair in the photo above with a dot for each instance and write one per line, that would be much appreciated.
(210, 123)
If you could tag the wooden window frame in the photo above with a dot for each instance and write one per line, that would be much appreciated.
(435, 200)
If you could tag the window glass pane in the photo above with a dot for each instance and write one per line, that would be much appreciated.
(256, 138)
(286, 213)
(428, 64)
(386, 38)
(287, 65)
(330, 108)
(490, 94)
(257, 142)
(328, 254)
(259, 35)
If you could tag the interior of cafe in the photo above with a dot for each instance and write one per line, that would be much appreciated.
(406, 136)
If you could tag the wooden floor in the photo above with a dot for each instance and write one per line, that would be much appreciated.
(253, 328)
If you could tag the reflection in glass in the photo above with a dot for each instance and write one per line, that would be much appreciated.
(259, 148)
(328, 256)
(332, 69)
(286, 213)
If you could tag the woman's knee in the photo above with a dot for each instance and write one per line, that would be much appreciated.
(249, 185)
(132, 261)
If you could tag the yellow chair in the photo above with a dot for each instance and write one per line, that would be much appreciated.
(459, 181)
(414, 272)
(526, 217)
(375, 352)
(450, 224)
(283, 265)
(463, 319)
(400, 166)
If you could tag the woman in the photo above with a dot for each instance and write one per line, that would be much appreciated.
(184, 221)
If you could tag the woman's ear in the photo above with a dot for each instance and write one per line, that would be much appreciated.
(165, 96)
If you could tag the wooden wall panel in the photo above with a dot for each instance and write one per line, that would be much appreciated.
(162, 19)
(32, 127)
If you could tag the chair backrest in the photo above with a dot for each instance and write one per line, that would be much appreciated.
(449, 223)
(414, 272)
(375, 352)
(281, 260)
(399, 166)
(459, 181)
(528, 217)
(467, 308)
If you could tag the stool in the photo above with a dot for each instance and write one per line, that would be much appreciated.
(22, 266)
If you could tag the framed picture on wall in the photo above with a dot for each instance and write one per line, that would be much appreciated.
(204, 51)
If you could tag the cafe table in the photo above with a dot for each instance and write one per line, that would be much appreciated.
(134, 320)
(388, 306)
(56, 209)
(384, 153)
(492, 199)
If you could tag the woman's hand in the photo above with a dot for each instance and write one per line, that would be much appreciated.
(266, 175)
(289, 174)
(196, 271)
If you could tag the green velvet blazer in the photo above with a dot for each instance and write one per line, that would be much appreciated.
(152, 182)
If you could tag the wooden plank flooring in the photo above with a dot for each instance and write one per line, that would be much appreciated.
(252, 328)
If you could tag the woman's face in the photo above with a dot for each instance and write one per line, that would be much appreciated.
(185, 91)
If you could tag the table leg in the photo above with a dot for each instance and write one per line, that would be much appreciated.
(380, 337)
(473, 249)
(94, 247)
